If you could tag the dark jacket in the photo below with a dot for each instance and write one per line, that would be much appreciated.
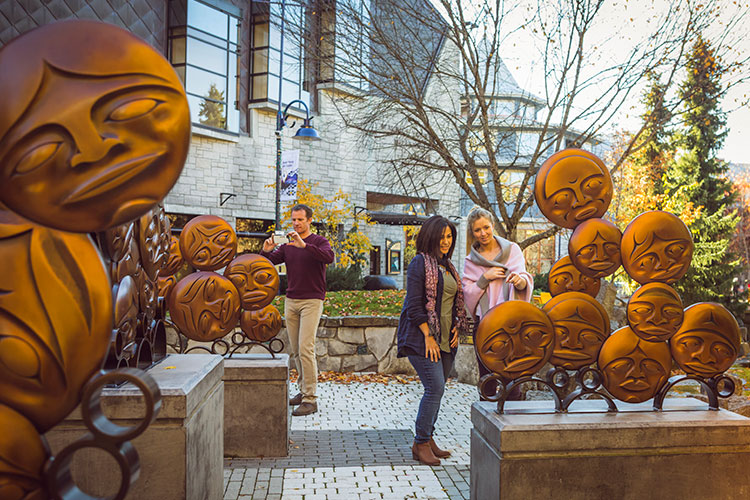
(410, 338)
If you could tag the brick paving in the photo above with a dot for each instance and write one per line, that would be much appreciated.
(358, 446)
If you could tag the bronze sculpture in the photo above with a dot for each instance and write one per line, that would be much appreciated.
(261, 325)
(174, 259)
(208, 243)
(565, 277)
(255, 278)
(594, 248)
(655, 312)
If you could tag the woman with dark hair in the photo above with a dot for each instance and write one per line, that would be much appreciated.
(431, 319)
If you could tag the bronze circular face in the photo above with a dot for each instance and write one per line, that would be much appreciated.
(514, 339)
(174, 261)
(55, 318)
(149, 243)
(633, 370)
(656, 246)
(208, 243)
(655, 312)
(116, 241)
(23, 455)
(94, 126)
(204, 306)
(126, 309)
(261, 325)
(166, 285)
(255, 278)
(708, 342)
(571, 186)
(594, 248)
(565, 277)
(581, 326)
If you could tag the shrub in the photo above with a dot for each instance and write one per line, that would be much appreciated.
(541, 282)
(344, 278)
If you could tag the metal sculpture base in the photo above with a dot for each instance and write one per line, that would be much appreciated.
(238, 343)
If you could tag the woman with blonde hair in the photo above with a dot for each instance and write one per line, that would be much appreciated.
(494, 269)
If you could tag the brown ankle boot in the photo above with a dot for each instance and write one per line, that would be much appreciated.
(423, 453)
(437, 451)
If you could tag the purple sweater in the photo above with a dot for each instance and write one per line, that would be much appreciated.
(305, 267)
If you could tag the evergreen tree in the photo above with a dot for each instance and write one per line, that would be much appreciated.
(655, 155)
(698, 174)
(212, 108)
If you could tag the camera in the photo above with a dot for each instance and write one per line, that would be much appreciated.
(280, 237)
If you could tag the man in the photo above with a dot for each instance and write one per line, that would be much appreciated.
(306, 256)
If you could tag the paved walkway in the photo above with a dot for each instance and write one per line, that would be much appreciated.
(358, 446)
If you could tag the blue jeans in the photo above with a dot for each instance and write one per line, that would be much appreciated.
(433, 376)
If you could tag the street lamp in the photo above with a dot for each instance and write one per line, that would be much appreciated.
(305, 131)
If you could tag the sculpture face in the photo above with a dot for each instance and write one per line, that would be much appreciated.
(708, 341)
(261, 325)
(581, 326)
(594, 248)
(208, 242)
(655, 312)
(116, 241)
(514, 339)
(573, 185)
(55, 318)
(656, 246)
(565, 277)
(166, 285)
(174, 261)
(633, 370)
(255, 278)
(22, 457)
(126, 309)
(95, 135)
(204, 306)
(149, 243)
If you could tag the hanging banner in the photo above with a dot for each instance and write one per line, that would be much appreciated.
(289, 170)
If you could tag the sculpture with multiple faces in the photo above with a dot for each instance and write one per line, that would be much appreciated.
(205, 306)
(573, 189)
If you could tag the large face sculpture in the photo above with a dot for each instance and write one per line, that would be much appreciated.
(581, 326)
(94, 126)
(708, 341)
(572, 185)
(565, 277)
(55, 318)
(208, 242)
(204, 306)
(656, 246)
(594, 248)
(633, 370)
(655, 312)
(255, 278)
(261, 325)
(174, 261)
(514, 339)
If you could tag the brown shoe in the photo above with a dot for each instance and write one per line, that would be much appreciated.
(437, 451)
(423, 453)
(296, 400)
(305, 409)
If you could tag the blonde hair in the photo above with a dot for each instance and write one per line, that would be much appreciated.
(476, 214)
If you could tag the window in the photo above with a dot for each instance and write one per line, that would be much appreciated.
(251, 233)
(203, 49)
(265, 53)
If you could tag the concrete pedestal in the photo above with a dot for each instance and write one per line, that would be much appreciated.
(628, 455)
(182, 451)
(256, 405)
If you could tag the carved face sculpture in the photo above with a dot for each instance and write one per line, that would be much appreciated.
(255, 278)
(174, 261)
(565, 277)
(594, 248)
(514, 339)
(149, 243)
(633, 369)
(573, 185)
(165, 237)
(656, 246)
(22, 457)
(126, 309)
(166, 285)
(261, 325)
(708, 341)
(116, 241)
(55, 318)
(208, 242)
(655, 312)
(204, 306)
(94, 126)
(581, 326)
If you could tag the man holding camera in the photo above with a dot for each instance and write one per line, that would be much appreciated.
(306, 256)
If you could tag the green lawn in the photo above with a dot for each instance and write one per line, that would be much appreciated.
(359, 302)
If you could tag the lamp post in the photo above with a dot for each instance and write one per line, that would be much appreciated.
(305, 131)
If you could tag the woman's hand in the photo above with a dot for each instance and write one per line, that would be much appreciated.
(517, 281)
(454, 337)
(494, 273)
(431, 348)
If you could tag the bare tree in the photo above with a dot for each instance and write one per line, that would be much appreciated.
(428, 87)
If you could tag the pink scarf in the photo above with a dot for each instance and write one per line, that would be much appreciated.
(431, 285)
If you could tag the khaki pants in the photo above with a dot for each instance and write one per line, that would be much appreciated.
(302, 317)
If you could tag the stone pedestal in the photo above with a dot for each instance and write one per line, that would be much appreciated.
(182, 451)
(256, 405)
(626, 455)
